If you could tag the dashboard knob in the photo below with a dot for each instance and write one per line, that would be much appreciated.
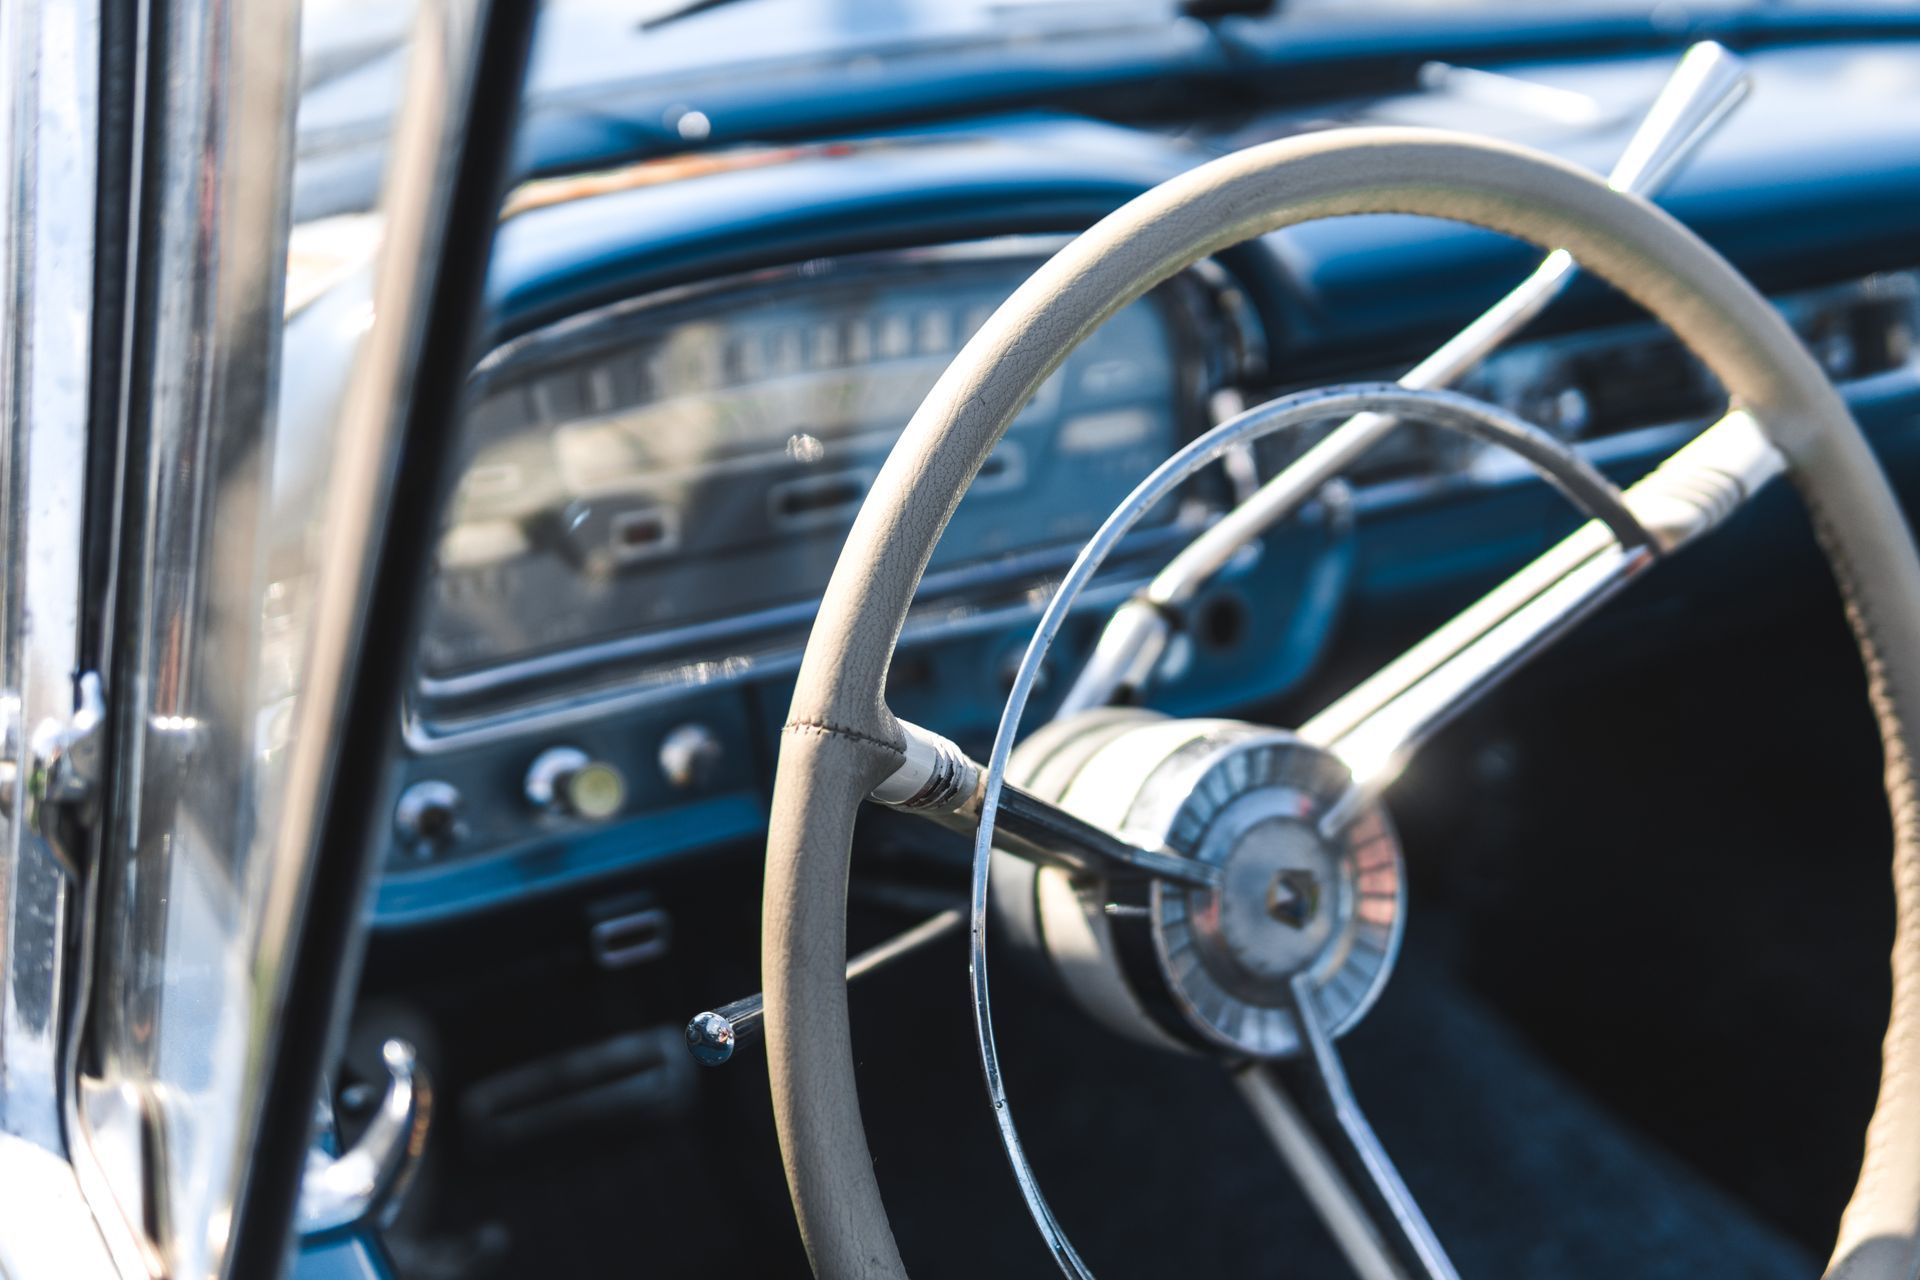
(689, 755)
(427, 817)
(567, 780)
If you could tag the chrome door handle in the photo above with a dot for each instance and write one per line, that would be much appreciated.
(363, 1186)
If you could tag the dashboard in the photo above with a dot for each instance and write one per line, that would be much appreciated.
(748, 243)
(696, 372)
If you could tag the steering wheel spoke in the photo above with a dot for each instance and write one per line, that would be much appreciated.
(940, 783)
(1308, 1109)
(1376, 727)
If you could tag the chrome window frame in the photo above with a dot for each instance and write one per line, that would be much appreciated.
(49, 128)
(46, 258)
(282, 865)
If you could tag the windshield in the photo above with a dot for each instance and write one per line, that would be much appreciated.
(658, 75)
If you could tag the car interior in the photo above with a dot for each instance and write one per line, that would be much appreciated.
(882, 397)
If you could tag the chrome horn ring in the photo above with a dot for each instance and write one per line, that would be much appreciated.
(1349, 845)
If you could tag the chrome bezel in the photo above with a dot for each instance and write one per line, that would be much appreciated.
(517, 695)
(1277, 777)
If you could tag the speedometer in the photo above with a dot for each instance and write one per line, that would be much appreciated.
(675, 475)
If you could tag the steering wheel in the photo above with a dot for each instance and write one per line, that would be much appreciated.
(1249, 888)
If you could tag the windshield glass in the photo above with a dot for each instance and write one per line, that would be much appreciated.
(657, 75)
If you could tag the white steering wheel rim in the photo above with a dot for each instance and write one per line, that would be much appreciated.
(840, 739)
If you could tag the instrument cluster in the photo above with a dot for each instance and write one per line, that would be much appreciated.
(669, 481)
(651, 496)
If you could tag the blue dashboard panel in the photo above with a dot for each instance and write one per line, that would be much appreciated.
(811, 70)
(1814, 178)
(351, 1258)
(1798, 192)
(773, 205)
(548, 863)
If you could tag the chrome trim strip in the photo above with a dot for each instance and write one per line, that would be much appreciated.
(49, 63)
(49, 135)
(243, 608)
(159, 1134)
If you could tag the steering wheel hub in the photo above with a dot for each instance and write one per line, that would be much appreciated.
(1273, 915)
(1303, 909)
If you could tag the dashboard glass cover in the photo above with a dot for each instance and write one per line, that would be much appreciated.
(678, 472)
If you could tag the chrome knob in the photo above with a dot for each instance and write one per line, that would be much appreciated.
(427, 817)
(712, 1037)
(566, 780)
(689, 755)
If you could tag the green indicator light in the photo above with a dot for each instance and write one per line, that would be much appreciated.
(596, 790)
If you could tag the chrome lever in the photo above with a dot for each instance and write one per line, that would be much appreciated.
(937, 781)
(713, 1036)
(1708, 83)
(364, 1185)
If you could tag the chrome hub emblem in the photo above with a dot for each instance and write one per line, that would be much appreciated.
(1217, 968)
(1293, 897)
(1238, 931)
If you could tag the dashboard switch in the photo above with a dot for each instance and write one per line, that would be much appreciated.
(427, 818)
(689, 755)
(566, 780)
